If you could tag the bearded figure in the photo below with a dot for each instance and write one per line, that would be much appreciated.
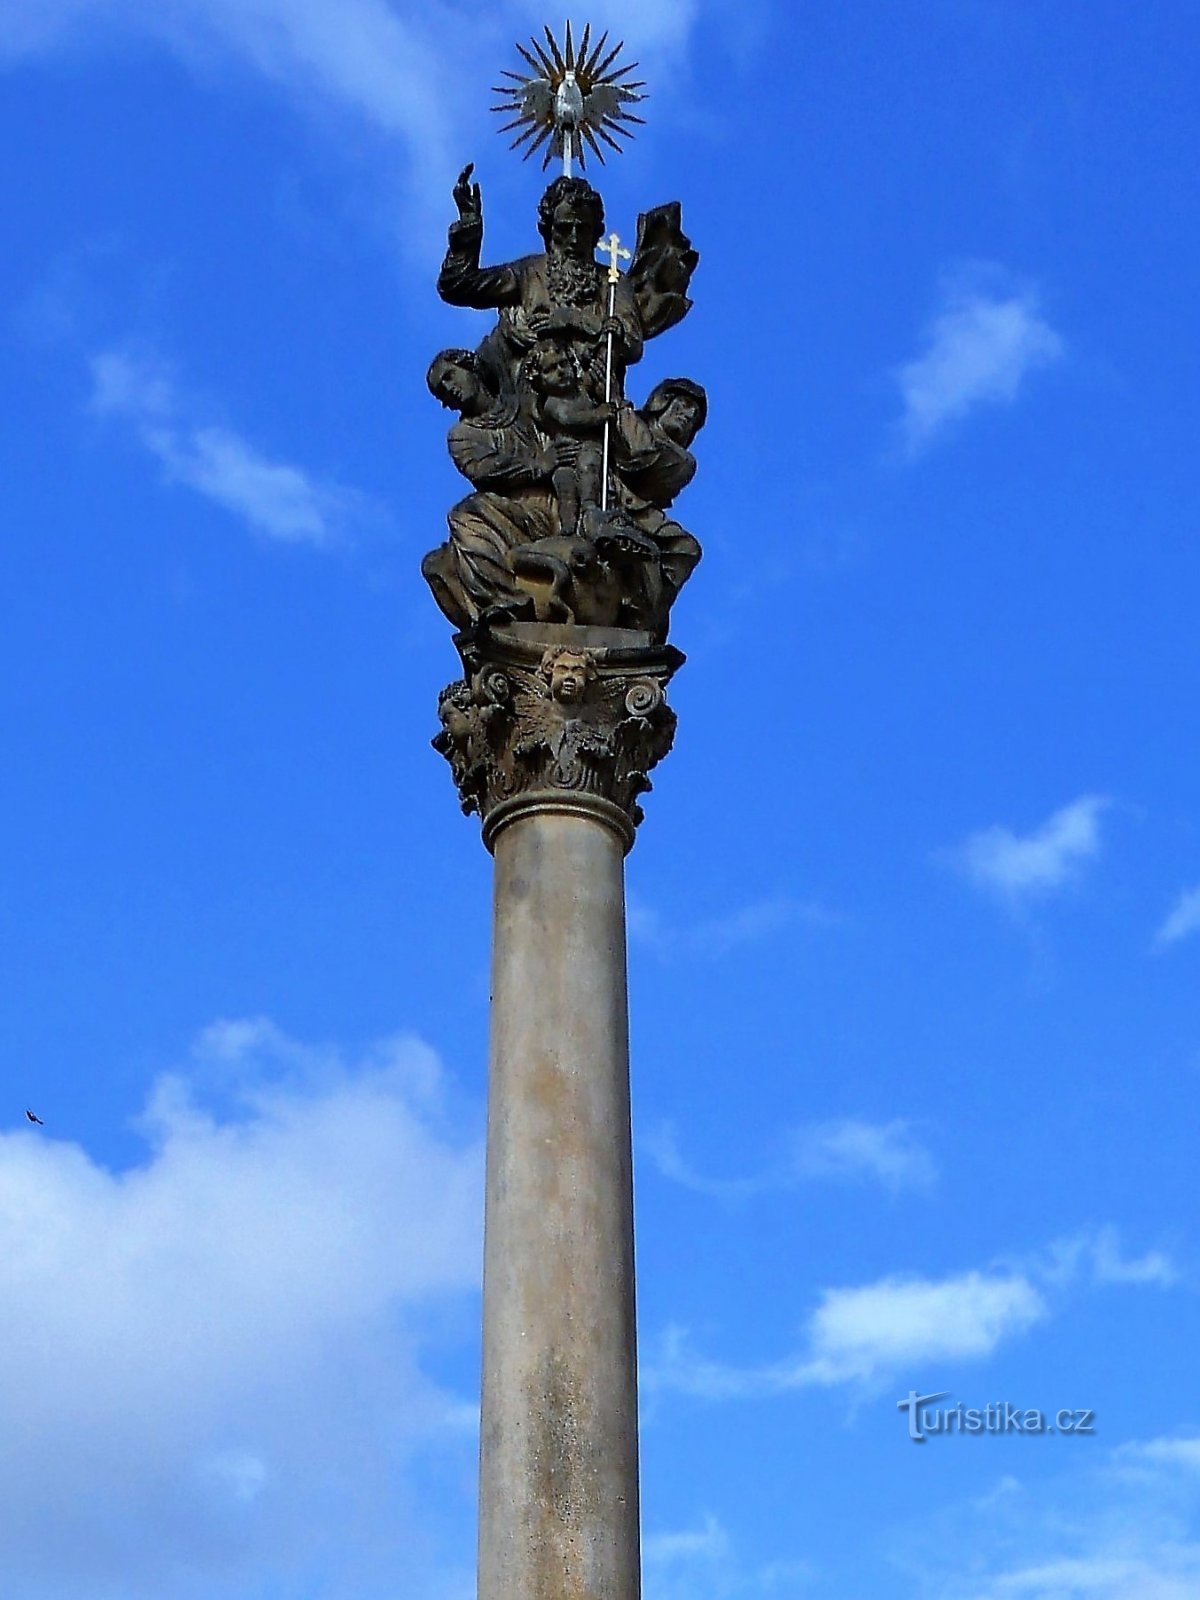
(565, 290)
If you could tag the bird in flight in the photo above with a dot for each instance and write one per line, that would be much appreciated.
(33, 1117)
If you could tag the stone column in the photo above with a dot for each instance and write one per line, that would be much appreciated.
(550, 735)
(559, 1456)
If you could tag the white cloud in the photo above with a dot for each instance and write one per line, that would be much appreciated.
(273, 497)
(848, 1150)
(1183, 920)
(984, 341)
(1019, 867)
(212, 1374)
(867, 1334)
(905, 1324)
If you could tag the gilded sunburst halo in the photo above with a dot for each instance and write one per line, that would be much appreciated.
(571, 100)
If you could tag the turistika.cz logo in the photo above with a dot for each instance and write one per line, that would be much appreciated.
(928, 1419)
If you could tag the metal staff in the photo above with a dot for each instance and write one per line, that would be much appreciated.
(612, 245)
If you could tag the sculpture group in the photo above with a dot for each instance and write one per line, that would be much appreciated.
(572, 483)
(562, 563)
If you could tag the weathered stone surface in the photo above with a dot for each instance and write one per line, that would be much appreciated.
(559, 1454)
(556, 716)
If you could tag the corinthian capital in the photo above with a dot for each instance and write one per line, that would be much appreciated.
(557, 717)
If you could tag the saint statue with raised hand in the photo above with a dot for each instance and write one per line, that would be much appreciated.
(564, 290)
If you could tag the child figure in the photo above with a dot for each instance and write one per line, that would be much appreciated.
(573, 423)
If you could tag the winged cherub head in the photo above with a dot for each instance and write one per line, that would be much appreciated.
(568, 673)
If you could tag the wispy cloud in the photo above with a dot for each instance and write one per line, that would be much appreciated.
(1108, 1529)
(702, 1564)
(274, 498)
(656, 24)
(1020, 867)
(981, 345)
(1132, 1563)
(888, 1153)
(1097, 1258)
(662, 1146)
(689, 1561)
(213, 1358)
(1171, 1574)
(404, 72)
(846, 1150)
(1110, 1265)
(1183, 920)
(1181, 1450)
(713, 937)
(362, 56)
(665, 1549)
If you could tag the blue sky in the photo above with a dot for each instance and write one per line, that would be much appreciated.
(915, 913)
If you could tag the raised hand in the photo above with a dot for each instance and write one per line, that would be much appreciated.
(467, 197)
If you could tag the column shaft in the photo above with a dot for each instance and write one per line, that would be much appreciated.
(559, 1461)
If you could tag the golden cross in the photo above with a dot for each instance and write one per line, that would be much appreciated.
(612, 247)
